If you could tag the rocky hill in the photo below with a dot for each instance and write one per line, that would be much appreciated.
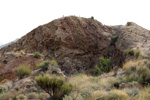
(77, 44)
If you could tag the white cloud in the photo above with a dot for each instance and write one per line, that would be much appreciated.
(17, 17)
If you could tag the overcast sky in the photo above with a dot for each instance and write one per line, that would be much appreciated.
(18, 17)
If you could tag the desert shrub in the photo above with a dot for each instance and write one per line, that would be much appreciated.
(21, 97)
(92, 17)
(132, 91)
(53, 63)
(114, 39)
(37, 55)
(32, 95)
(56, 87)
(22, 71)
(105, 64)
(44, 65)
(137, 71)
(139, 74)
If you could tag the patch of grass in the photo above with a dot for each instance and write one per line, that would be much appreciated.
(22, 71)
(73, 96)
(132, 91)
(21, 97)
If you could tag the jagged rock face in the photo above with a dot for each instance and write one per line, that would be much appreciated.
(133, 36)
(75, 42)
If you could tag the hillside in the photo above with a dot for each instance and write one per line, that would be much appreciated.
(79, 48)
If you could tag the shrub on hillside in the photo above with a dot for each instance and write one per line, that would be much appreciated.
(114, 39)
(136, 71)
(105, 64)
(44, 65)
(56, 87)
(22, 71)
(54, 63)
(132, 52)
(37, 55)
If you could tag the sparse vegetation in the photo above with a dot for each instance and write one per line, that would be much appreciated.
(37, 55)
(114, 39)
(56, 87)
(137, 71)
(132, 91)
(105, 64)
(53, 63)
(32, 95)
(21, 97)
(1, 89)
(22, 71)
(44, 65)
(132, 52)
(96, 71)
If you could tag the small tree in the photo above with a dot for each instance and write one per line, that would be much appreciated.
(22, 71)
(56, 87)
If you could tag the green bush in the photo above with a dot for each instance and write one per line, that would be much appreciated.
(114, 39)
(22, 71)
(37, 55)
(105, 64)
(44, 65)
(56, 87)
